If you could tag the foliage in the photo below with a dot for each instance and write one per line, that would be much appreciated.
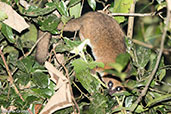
(35, 85)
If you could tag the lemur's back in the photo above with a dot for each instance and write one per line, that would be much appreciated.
(105, 34)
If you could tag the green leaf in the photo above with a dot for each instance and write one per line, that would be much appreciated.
(27, 39)
(73, 3)
(131, 83)
(140, 109)
(94, 64)
(41, 79)
(31, 99)
(22, 78)
(26, 64)
(62, 8)
(159, 99)
(161, 72)
(92, 4)
(49, 23)
(65, 19)
(143, 55)
(7, 32)
(67, 110)
(98, 104)
(128, 101)
(3, 16)
(35, 11)
(121, 6)
(120, 62)
(67, 46)
(162, 110)
(75, 10)
(82, 70)
(43, 92)
(79, 65)
(14, 54)
(31, 35)
(162, 4)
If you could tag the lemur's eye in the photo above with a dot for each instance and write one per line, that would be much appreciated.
(110, 84)
(119, 88)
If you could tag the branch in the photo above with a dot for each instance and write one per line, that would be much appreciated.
(131, 20)
(144, 91)
(132, 14)
(165, 51)
(10, 76)
(72, 95)
(34, 46)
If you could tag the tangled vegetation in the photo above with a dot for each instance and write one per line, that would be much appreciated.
(27, 87)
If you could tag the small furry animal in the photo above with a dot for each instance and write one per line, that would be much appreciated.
(106, 39)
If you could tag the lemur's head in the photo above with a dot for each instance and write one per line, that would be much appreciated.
(113, 84)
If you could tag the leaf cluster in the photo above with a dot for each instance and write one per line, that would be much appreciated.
(90, 93)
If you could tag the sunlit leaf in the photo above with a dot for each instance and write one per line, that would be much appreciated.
(143, 55)
(62, 8)
(94, 64)
(75, 10)
(73, 2)
(121, 62)
(49, 23)
(159, 99)
(92, 4)
(129, 101)
(35, 11)
(3, 16)
(67, 45)
(90, 83)
(28, 39)
(44, 92)
(7, 32)
(65, 19)
(121, 6)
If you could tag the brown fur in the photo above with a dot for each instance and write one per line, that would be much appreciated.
(42, 46)
(106, 37)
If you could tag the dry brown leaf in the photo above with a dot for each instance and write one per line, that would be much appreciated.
(3, 110)
(53, 70)
(14, 20)
(60, 59)
(24, 4)
(62, 98)
(169, 8)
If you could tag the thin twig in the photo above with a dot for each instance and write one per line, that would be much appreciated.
(81, 9)
(131, 20)
(31, 50)
(142, 44)
(144, 91)
(10, 76)
(33, 47)
(67, 74)
(165, 51)
(80, 90)
(132, 14)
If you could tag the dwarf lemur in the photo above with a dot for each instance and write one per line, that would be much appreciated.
(106, 39)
